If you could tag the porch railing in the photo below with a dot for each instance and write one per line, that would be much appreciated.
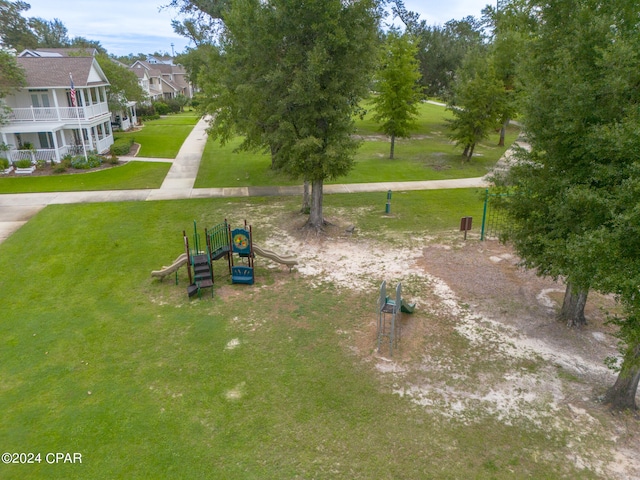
(49, 154)
(44, 114)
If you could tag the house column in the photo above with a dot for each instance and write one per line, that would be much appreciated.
(54, 134)
(83, 101)
(90, 139)
(55, 103)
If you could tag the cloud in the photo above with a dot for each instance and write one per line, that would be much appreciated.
(120, 26)
(144, 26)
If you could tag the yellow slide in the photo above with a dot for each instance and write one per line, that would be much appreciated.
(177, 263)
(289, 261)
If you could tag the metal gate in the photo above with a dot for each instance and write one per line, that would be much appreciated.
(494, 220)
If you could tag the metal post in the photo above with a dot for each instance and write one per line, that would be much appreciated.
(388, 207)
(484, 214)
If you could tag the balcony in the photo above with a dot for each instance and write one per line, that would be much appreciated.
(48, 114)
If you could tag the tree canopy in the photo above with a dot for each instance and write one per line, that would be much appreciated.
(441, 48)
(11, 77)
(478, 102)
(14, 29)
(397, 88)
(289, 75)
(123, 82)
(20, 32)
(576, 191)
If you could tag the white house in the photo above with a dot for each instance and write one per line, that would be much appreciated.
(44, 122)
(162, 80)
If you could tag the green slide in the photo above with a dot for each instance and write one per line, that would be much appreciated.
(407, 307)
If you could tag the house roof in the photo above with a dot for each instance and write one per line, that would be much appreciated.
(36, 53)
(140, 72)
(51, 72)
(163, 68)
(62, 52)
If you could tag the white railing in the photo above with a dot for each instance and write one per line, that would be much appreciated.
(42, 114)
(103, 144)
(48, 154)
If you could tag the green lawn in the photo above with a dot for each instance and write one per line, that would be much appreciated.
(431, 120)
(132, 175)
(428, 155)
(98, 358)
(162, 138)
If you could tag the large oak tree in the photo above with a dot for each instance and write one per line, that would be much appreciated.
(575, 208)
(289, 76)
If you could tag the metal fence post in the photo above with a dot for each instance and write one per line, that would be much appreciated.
(484, 214)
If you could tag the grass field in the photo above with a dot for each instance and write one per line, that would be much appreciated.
(163, 138)
(98, 358)
(428, 155)
(132, 175)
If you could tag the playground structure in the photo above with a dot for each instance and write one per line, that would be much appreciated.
(388, 315)
(220, 241)
(289, 261)
(173, 268)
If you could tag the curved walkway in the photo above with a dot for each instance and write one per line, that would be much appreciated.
(17, 208)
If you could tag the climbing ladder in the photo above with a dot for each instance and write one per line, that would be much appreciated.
(202, 276)
(202, 273)
(388, 321)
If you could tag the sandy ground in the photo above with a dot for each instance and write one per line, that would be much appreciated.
(517, 363)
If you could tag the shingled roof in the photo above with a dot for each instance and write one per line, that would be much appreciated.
(52, 72)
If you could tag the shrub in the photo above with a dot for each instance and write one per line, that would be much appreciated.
(23, 163)
(92, 161)
(161, 108)
(121, 146)
(4, 163)
(66, 161)
(198, 100)
(174, 105)
(145, 110)
(59, 168)
(149, 117)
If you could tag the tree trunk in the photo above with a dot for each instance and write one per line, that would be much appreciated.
(316, 220)
(306, 199)
(466, 150)
(393, 147)
(503, 132)
(622, 396)
(572, 310)
(470, 152)
(274, 151)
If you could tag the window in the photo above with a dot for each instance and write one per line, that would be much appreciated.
(46, 140)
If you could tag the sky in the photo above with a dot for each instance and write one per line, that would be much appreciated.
(143, 26)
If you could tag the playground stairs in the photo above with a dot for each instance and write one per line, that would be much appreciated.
(202, 275)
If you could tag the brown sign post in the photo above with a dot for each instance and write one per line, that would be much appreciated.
(465, 225)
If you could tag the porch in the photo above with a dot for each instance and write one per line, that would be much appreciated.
(98, 144)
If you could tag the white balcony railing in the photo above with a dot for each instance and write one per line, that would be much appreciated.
(42, 114)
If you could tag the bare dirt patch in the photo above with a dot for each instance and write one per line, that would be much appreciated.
(483, 342)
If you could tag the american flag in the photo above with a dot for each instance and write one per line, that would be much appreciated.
(73, 92)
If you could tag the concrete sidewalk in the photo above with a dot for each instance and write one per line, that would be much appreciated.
(16, 209)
